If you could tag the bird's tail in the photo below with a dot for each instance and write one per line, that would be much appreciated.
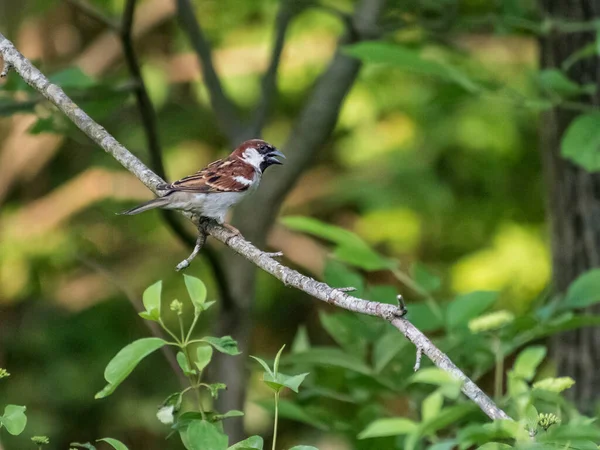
(154, 203)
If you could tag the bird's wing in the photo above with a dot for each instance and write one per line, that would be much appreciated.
(224, 175)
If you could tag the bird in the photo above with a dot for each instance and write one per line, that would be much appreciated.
(213, 190)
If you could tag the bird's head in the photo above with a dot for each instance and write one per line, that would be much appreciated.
(258, 153)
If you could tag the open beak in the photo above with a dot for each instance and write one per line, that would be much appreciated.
(272, 157)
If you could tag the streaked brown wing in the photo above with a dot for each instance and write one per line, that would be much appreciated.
(219, 176)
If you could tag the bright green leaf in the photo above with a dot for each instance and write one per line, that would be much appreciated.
(581, 142)
(301, 341)
(409, 60)
(119, 368)
(350, 247)
(388, 427)
(225, 344)
(280, 380)
(203, 435)
(327, 356)
(432, 405)
(151, 300)
(264, 365)
(277, 358)
(197, 291)
(494, 446)
(556, 82)
(87, 445)
(585, 290)
(554, 384)
(304, 447)
(467, 306)
(183, 364)
(14, 419)
(214, 388)
(203, 356)
(252, 443)
(528, 361)
(117, 445)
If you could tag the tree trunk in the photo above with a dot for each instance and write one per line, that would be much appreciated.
(574, 200)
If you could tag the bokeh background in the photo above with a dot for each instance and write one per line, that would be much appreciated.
(418, 167)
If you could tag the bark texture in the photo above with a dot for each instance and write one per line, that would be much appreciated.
(574, 199)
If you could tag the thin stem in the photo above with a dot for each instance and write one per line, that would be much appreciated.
(180, 319)
(187, 339)
(499, 371)
(276, 420)
(164, 327)
(194, 383)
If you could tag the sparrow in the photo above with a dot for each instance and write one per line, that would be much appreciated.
(212, 191)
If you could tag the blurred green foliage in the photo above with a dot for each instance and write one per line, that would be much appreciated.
(431, 186)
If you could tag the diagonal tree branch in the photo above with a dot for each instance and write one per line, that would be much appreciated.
(261, 259)
(224, 109)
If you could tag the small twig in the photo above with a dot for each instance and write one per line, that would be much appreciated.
(418, 360)
(269, 79)
(273, 254)
(199, 244)
(222, 105)
(401, 305)
(347, 289)
(95, 14)
(5, 69)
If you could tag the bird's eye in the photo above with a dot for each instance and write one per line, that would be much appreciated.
(263, 148)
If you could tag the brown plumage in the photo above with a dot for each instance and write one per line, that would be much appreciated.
(220, 185)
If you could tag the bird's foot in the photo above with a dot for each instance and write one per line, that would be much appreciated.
(233, 229)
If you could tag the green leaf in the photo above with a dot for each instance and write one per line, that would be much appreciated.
(386, 348)
(554, 384)
(14, 419)
(344, 328)
(72, 77)
(432, 405)
(252, 443)
(388, 427)
(117, 445)
(424, 317)
(581, 142)
(276, 362)
(80, 445)
(119, 368)
(424, 278)
(151, 300)
(467, 306)
(328, 356)
(584, 291)
(494, 446)
(203, 435)
(303, 447)
(225, 344)
(432, 375)
(197, 291)
(301, 341)
(556, 82)
(279, 381)
(350, 248)
(183, 364)
(264, 365)
(203, 356)
(214, 388)
(409, 60)
(528, 361)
